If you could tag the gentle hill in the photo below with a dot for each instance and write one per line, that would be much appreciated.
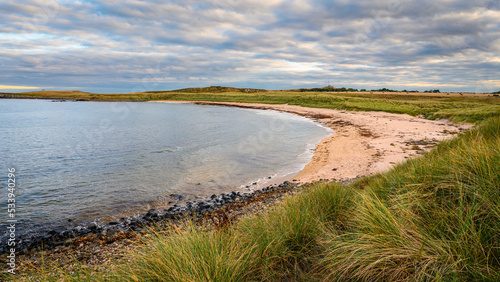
(212, 89)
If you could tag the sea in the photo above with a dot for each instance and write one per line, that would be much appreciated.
(65, 163)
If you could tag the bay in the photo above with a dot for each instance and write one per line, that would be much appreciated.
(83, 161)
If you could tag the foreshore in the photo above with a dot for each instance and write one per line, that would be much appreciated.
(363, 143)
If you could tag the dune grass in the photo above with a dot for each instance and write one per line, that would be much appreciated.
(190, 255)
(435, 217)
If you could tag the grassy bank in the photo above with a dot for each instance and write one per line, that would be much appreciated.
(456, 107)
(436, 217)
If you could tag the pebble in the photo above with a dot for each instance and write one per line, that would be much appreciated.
(73, 237)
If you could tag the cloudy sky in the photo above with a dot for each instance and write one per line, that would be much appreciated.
(131, 45)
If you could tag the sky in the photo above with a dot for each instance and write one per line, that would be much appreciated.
(131, 45)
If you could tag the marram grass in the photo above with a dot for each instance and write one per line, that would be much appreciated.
(436, 217)
(190, 255)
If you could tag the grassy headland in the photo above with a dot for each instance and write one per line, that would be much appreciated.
(455, 106)
(435, 217)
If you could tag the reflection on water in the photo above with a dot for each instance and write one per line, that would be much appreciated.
(82, 161)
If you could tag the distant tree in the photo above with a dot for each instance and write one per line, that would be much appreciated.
(384, 90)
(329, 89)
(432, 91)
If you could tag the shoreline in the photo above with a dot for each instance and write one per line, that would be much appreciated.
(363, 143)
(98, 245)
(359, 146)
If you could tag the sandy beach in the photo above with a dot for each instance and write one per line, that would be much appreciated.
(363, 143)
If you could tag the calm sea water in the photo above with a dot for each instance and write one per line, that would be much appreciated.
(85, 161)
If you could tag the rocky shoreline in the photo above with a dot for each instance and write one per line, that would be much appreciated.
(96, 246)
(217, 211)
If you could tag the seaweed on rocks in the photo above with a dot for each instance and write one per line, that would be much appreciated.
(212, 209)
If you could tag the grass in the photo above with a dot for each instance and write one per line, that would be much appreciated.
(457, 108)
(435, 217)
(190, 255)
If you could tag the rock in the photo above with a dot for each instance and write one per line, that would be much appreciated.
(53, 233)
(178, 196)
(199, 208)
(111, 232)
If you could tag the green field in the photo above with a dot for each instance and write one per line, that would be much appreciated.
(435, 217)
(457, 107)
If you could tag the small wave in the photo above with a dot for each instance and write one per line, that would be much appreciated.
(169, 150)
(260, 181)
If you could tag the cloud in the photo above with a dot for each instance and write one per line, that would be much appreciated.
(16, 87)
(119, 46)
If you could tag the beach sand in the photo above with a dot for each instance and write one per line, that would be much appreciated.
(363, 143)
